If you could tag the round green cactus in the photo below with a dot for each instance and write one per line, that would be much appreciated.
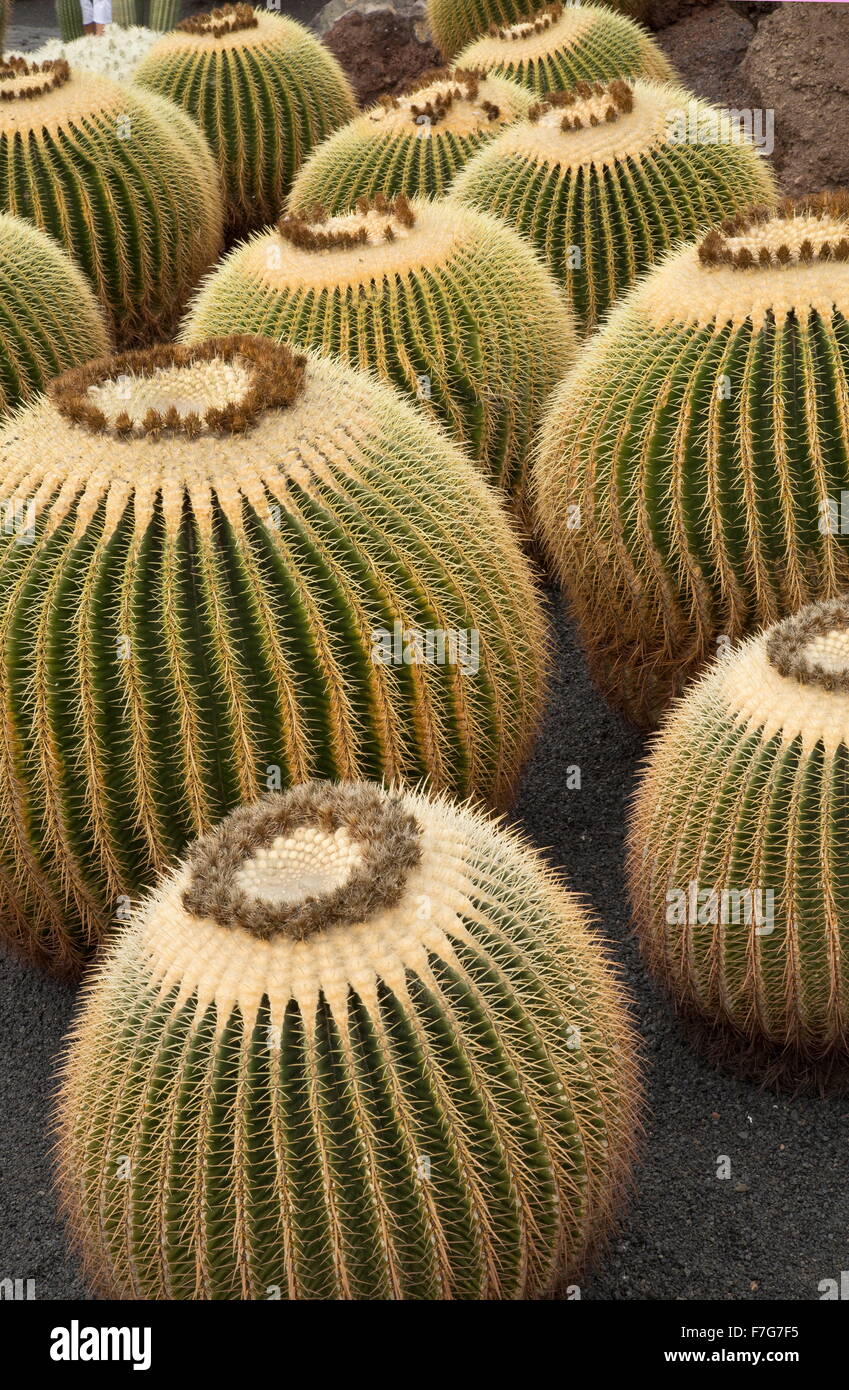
(693, 467)
(566, 44)
(444, 302)
(413, 143)
(454, 23)
(264, 91)
(236, 572)
(605, 179)
(359, 1045)
(739, 851)
(122, 178)
(50, 319)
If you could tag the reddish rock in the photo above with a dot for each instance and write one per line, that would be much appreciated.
(707, 48)
(380, 51)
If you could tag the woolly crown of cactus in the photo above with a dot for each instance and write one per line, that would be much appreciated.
(738, 850)
(264, 91)
(236, 570)
(50, 319)
(411, 1020)
(119, 176)
(603, 171)
(565, 44)
(411, 143)
(455, 23)
(449, 305)
(691, 467)
(116, 53)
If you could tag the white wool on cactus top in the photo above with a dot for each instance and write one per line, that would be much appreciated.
(115, 54)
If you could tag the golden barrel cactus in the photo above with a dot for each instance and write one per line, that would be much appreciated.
(227, 569)
(264, 91)
(447, 304)
(739, 852)
(358, 1045)
(693, 468)
(411, 143)
(456, 22)
(562, 45)
(122, 178)
(50, 319)
(604, 179)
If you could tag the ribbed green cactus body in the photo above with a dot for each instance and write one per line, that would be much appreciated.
(564, 46)
(265, 96)
(5, 15)
(450, 1116)
(125, 181)
(604, 201)
(69, 17)
(162, 14)
(456, 311)
(739, 859)
(455, 23)
(693, 468)
(393, 148)
(185, 623)
(49, 317)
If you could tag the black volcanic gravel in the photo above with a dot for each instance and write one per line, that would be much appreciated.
(776, 1228)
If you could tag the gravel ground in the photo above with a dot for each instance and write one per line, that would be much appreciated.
(774, 1229)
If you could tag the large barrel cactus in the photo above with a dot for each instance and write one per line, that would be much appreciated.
(118, 175)
(116, 53)
(359, 1045)
(447, 304)
(692, 476)
(412, 143)
(563, 45)
(50, 319)
(606, 178)
(265, 92)
(455, 23)
(233, 572)
(739, 852)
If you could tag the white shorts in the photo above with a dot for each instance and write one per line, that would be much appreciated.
(96, 11)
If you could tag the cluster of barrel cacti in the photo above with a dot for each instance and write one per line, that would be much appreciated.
(272, 646)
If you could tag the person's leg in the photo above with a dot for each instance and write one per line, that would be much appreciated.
(87, 7)
(102, 15)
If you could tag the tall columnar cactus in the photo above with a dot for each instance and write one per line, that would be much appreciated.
(5, 16)
(233, 573)
(359, 1045)
(50, 319)
(449, 305)
(162, 14)
(455, 23)
(264, 90)
(605, 179)
(69, 17)
(566, 44)
(739, 852)
(124, 179)
(692, 473)
(413, 143)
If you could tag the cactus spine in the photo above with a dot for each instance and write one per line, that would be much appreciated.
(447, 304)
(739, 850)
(455, 23)
(566, 44)
(325, 1092)
(603, 184)
(121, 177)
(49, 318)
(115, 54)
(244, 572)
(692, 466)
(265, 92)
(413, 143)
(163, 14)
(69, 17)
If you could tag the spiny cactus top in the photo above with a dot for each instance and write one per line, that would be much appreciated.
(446, 303)
(116, 53)
(225, 569)
(456, 22)
(605, 178)
(739, 854)
(121, 177)
(265, 92)
(359, 1045)
(693, 467)
(565, 44)
(412, 143)
(49, 317)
